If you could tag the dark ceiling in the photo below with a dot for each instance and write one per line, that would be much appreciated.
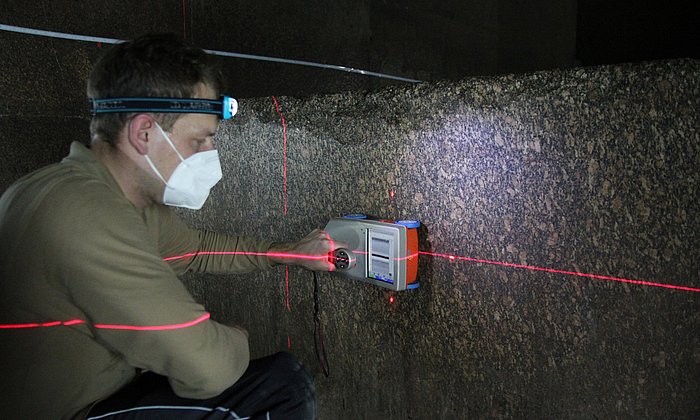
(616, 31)
(425, 40)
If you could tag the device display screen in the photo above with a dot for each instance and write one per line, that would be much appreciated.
(381, 256)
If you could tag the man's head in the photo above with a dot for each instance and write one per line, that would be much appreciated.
(146, 150)
(162, 66)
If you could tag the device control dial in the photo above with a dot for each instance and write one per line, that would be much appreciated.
(342, 259)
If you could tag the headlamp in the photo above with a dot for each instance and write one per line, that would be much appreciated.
(225, 108)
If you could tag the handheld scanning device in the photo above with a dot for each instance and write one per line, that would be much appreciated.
(380, 252)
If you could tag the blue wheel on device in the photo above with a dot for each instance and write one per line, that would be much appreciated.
(410, 224)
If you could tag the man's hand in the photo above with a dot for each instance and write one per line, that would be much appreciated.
(311, 252)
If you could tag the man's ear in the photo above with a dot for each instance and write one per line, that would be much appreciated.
(138, 132)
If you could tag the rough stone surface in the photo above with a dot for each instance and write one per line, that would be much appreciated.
(591, 170)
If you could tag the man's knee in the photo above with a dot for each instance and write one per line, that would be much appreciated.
(300, 384)
(290, 368)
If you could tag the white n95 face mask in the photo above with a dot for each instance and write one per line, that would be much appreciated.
(192, 179)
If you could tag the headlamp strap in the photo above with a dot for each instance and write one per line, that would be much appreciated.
(225, 108)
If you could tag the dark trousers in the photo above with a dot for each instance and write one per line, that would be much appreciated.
(274, 387)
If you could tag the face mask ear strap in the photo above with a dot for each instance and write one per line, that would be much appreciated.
(167, 138)
(155, 170)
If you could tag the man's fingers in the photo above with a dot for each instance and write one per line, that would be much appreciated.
(333, 244)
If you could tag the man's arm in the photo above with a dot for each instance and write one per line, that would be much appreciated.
(188, 249)
(311, 252)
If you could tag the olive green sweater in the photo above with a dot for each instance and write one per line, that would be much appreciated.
(73, 248)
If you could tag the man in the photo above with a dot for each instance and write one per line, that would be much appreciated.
(95, 322)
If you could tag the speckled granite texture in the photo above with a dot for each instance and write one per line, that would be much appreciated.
(592, 170)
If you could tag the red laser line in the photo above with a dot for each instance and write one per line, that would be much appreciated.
(284, 155)
(548, 270)
(284, 200)
(453, 258)
(110, 326)
(42, 325)
(313, 257)
(255, 254)
(556, 271)
(331, 262)
(184, 20)
(286, 283)
(155, 327)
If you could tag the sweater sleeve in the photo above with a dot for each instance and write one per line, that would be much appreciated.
(187, 249)
(133, 302)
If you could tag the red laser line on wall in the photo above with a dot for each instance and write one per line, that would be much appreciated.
(284, 203)
(556, 271)
(284, 155)
(184, 20)
(286, 286)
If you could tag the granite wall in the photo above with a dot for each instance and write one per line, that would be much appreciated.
(592, 170)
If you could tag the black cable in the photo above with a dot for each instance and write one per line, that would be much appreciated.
(318, 333)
